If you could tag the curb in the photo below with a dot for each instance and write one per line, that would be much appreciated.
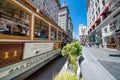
(79, 61)
(64, 68)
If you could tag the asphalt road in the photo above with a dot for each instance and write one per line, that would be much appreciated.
(109, 60)
(49, 70)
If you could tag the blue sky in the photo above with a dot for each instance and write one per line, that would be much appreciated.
(78, 14)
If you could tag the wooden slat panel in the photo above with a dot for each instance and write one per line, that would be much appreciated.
(10, 53)
(5, 36)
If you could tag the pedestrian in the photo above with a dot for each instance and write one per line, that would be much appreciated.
(89, 44)
(63, 42)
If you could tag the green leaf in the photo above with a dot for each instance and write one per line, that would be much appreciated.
(71, 52)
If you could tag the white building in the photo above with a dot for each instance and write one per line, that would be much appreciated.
(74, 36)
(48, 7)
(82, 32)
(103, 18)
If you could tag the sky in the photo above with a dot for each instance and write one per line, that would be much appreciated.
(77, 9)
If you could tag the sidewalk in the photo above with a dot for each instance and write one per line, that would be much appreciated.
(106, 49)
(99, 64)
(110, 49)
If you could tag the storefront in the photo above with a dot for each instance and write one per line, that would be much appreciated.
(110, 42)
(108, 36)
(98, 39)
(111, 35)
(91, 37)
(117, 31)
(118, 39)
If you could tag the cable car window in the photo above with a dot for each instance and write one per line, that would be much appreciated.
(59, 35)
(41, 29)
(53, 34)
(13, 20)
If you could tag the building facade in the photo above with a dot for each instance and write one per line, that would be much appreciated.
(63, 17)
(48, 7)
(103, 22)
(70, 29)
(82, 33)
(74, 36)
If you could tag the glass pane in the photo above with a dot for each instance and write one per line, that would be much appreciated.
(41, 29)
(13, 20)
(53, 34)
(59, 36)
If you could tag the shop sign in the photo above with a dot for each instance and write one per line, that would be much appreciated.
(33, 49)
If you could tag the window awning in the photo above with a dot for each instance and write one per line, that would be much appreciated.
(98, 18)
(104, 10)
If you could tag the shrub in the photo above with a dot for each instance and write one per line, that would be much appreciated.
(71, 52)
(66, 76)
(77, 47)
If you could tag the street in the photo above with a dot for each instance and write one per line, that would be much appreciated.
(49, 70)
(101, 65)
(104, 63)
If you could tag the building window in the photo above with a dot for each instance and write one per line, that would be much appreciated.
(105, 30)
(112, 40)
(62, 15)
(118, 23)
(96, 4)
(113, 26)
(96, 13)
(99, 9)
(43, 3)
(98, 1)
(103, 2)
